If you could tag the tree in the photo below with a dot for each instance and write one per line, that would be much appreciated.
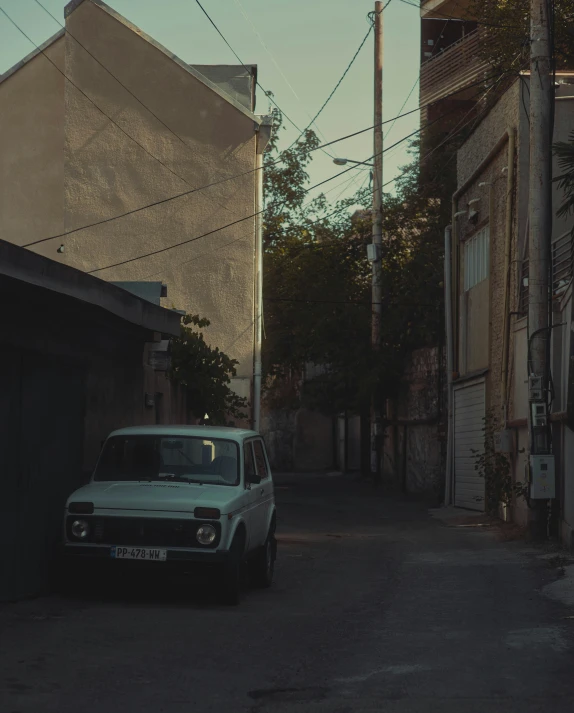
(507, 28)
(318, 284)
(205, 373)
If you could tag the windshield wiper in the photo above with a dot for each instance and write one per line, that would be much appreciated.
(172, 477)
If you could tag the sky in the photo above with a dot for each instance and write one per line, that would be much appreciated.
(301, 47)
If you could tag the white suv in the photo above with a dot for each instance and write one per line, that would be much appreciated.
(178, 495)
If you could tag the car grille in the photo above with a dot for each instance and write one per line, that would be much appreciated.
(151, 532)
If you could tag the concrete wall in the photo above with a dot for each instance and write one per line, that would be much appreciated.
(65, 165)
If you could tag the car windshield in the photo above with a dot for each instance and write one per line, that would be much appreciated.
(212, 461)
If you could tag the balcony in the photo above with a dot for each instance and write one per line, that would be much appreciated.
(458, 67)
(444, 8)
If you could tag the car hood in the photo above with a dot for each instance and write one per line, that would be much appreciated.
(176, 497)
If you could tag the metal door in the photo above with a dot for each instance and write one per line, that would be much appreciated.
(469, 412)
(46, 453)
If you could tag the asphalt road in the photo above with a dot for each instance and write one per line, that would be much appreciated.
(377, 606)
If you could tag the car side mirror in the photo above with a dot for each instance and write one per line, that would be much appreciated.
(253, 479)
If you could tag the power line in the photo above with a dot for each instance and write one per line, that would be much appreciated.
(127, 89)
(332, 94)
(254, 215)
(416, 83)
(91, 100)
(337, 211)
(111, 74)
(250, 171)
(229, 225)
(238, 58)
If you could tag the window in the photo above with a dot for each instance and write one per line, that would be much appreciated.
(158, 458)
(260, 461)
(476, 258)
(248, 462)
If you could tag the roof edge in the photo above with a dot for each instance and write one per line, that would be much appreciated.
(34, 269)
(74, 4)
(34, 53)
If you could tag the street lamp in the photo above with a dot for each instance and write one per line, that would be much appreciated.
(345, 161)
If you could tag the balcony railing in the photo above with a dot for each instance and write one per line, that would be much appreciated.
(445, 8)
(456, 68)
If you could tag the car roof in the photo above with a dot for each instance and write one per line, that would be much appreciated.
(234, 434)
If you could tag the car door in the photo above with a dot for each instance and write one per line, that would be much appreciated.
(265, 490)
(251, 511)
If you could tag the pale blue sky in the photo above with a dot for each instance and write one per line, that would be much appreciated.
(311, 41)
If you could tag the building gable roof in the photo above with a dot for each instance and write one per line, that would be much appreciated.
(35, 52)
(74, 4)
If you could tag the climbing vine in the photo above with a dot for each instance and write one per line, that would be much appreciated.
(495, 468)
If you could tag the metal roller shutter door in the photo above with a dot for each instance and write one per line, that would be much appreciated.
(469, 411)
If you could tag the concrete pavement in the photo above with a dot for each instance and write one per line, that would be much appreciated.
(377, 606)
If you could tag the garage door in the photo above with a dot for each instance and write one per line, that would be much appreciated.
(468, 437)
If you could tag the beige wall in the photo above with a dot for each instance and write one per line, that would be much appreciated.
(31, 149)
(108, 174)
(75, 167)
(474, 327)
(485, 320)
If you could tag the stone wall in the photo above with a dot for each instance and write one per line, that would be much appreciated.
(414, 446)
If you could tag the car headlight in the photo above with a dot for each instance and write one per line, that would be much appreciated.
(80, 529)
(206, 534)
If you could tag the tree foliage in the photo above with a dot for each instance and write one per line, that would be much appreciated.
(205, 373)
(507, 27)
(318, 283)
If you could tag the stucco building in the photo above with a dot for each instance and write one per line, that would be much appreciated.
(489, 301)
(121, 160)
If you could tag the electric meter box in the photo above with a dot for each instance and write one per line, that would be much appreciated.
(542, 477)
(373, 252)
(504, 441)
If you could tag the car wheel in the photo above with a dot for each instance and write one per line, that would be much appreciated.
(263, 565)
(231, 575)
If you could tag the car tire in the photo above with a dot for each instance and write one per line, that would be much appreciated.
(230, 592)
(263, 564)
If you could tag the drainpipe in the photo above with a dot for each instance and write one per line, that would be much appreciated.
(507, 251)
(449, 360)
(263, 136)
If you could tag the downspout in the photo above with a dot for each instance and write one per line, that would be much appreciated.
(263, 136)
(507, 251)
(449, 360)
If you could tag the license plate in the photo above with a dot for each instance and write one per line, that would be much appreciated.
(148, 554)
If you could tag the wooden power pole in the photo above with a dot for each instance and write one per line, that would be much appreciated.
(377, 236)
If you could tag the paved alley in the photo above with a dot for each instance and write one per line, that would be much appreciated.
(377, 606)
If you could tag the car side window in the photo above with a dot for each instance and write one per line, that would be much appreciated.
(249, 463)
(260, 460)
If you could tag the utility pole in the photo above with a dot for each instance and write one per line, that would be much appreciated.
(540, 220)
(377, 235)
